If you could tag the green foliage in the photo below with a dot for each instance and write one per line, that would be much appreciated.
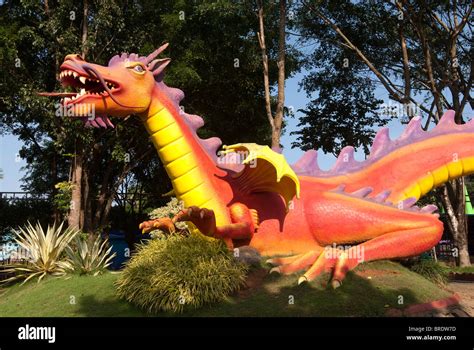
(63, 196)
(178, 273)
(45, 252)
(89, 256)
(432, 270)
(344, 113)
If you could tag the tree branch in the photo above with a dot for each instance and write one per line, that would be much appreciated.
(263, 49)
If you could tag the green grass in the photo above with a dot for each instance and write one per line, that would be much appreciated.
(358, 296)
(71, 297)
(464, 269)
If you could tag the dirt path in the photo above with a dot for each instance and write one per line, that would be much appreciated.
(466, 292)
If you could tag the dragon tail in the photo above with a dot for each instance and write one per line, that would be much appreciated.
(409, 166)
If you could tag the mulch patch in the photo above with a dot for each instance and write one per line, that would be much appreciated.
(373, 273)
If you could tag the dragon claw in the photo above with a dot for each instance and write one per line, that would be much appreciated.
(164, 224)
(275, 269)
(302, 279)
(316, 262)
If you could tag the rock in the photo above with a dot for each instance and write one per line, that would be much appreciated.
(247, 255)
(458, 312)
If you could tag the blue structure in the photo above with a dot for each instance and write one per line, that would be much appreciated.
(120, 248)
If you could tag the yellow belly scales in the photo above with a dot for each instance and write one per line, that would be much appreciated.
(439, 176)
(189, 183)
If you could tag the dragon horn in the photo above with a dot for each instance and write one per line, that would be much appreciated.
(160, 65)
(155, 53)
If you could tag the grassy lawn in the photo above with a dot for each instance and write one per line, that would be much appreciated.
(368, 291)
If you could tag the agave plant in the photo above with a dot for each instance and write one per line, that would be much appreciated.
(89, 257)
(45, 252)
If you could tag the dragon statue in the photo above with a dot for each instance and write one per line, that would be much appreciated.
(297, 215)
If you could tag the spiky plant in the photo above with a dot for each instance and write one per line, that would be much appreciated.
(177, 272)
(45, 251)
(432, 270)
(89, 257)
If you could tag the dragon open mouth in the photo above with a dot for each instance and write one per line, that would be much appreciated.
(83, 86)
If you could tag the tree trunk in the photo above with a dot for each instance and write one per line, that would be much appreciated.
(84, 29)
(104, 193)
(54, 180)
(278, 120)
(266, 80)
(454, 202)
(86, 202)
(74, 217)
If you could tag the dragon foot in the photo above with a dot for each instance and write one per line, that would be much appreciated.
(316, 262)
(203, 219)
(243, 225)
(164, 224)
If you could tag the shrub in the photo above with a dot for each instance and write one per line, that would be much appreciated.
(63, 197)
(168, 211)
(45, 252)
(180, 271)
(89, 257)
(431, 270)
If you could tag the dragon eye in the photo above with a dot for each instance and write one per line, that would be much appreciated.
(138, 69)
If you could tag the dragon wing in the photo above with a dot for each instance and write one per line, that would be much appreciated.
(263, 170)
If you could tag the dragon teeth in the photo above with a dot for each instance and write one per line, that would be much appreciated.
(83, 80)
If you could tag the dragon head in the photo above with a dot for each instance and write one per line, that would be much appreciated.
(121, 88)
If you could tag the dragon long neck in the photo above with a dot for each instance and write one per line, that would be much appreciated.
(190, 162)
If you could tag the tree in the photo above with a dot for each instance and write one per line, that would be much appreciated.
(275, 121)
(420, 53)
(343, 113)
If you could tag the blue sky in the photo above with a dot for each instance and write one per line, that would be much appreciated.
(12, 165)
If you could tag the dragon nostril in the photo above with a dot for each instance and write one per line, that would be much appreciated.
(73, 57)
